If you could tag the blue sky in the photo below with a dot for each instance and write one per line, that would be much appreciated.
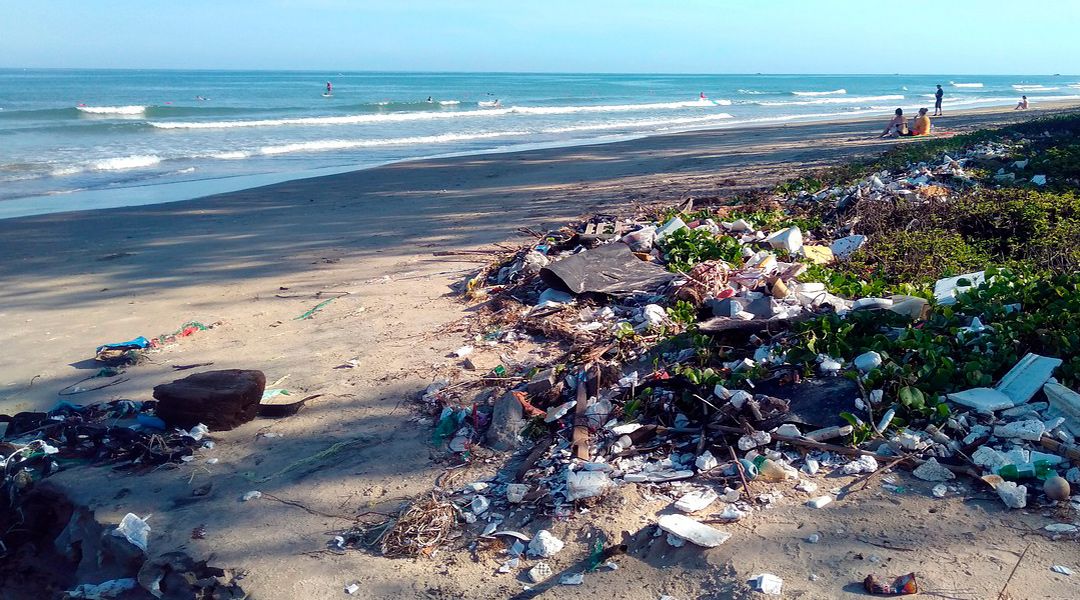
(660, 36)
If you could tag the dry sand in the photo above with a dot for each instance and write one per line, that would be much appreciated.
(254, 260)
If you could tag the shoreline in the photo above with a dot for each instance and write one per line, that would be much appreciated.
(192, 190)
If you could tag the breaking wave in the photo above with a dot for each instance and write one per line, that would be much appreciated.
(112, 110)
(831, 93)
(844, 100)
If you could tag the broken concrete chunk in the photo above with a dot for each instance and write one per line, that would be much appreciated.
(931, 470)
(1027, 377)
(984, 400)
(689, 529)
(768, 584)
(819, 502)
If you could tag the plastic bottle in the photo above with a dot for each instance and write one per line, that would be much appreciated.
(769, 470)
(1039, 469)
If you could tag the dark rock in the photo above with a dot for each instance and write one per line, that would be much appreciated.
(506, 423)
(219, 399)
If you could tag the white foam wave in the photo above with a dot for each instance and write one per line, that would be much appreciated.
(125, 162)
(119, 163)
(844, 100)
(640, 123)
(322, 145)
(112, 110)
(966, 85)
(1033, 88)
(423, 116)
(830, 93)
(751, 92)
(449, 102)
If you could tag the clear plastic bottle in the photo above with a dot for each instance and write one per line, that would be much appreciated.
(769, 470)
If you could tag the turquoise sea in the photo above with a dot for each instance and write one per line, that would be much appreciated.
(72, 139)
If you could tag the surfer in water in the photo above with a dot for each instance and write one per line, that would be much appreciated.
(429, 100)
(702, 96)
(329, 88)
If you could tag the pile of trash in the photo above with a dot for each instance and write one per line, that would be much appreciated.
(677, 376)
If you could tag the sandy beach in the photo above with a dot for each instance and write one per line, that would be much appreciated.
(250, 262)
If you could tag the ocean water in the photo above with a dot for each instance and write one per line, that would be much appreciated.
(73, 139)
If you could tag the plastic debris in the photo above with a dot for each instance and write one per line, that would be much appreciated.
(693, 531)
(586, 484)
(1062, 569)
(905, 585)
(104, 590)
(253, 494)
(135, 530)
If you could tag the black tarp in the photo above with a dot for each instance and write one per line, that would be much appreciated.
(610, 269)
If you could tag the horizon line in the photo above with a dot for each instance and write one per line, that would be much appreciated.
(454, 72)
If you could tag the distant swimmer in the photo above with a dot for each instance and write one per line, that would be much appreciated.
(1022, 104)
(429, 100)
(329, 88)
(200, 98)
(702, 96)
(937, 100)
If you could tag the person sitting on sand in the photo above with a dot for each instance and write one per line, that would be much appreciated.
(897, 126)
(922, 123)
(1022, 104)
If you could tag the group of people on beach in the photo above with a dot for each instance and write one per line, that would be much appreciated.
(921, 126)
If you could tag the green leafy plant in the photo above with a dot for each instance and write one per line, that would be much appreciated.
(687, 247)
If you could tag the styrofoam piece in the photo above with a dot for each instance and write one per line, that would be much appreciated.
(931, 470)
(689, 529)
(545, 545)
(843, 248)
(945, 290)
(1030, 430)
(1026, 377)
(695, 501)
(985, 400)
(790, 239)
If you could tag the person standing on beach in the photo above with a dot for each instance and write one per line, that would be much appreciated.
(937, 100)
